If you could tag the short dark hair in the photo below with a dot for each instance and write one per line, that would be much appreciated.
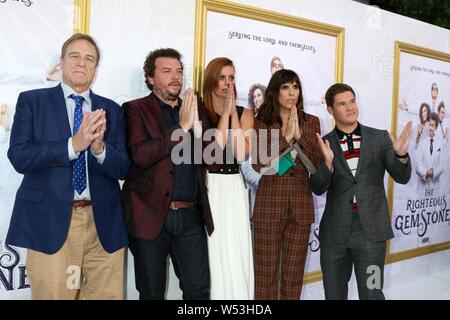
(434, 116)
(434, 84)
(149, 64)
(336, 89)
(440, 106)
(273, 59)
(76, 37)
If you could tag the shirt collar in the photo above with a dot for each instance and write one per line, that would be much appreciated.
(67, 91)
(342, 134)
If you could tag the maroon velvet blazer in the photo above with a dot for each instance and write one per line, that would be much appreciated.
(147, 189)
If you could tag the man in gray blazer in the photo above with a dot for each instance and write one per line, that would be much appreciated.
(356, 224)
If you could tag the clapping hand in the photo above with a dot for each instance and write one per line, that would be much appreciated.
(403, 105)
(197, 126)
(401, 144)
(4, 121)
(54, 73)
(98, 145)
(298, 131)
(327, 152)
(89, 130)
(291, 126)
(230, 101)
(188, 110)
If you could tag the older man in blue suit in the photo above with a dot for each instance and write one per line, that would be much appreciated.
(69, 144)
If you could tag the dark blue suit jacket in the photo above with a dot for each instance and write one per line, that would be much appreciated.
(38, 149)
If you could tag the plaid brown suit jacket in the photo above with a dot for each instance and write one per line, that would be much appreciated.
(275, 194)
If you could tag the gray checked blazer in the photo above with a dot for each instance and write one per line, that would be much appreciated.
(376, 156)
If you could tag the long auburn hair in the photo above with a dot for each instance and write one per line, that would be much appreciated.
(269, 112)
(211, 78)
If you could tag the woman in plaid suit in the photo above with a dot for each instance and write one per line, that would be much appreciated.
(284, 209)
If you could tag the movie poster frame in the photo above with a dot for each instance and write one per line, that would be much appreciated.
(399, 48)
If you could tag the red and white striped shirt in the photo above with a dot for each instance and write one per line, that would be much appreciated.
(350, 144)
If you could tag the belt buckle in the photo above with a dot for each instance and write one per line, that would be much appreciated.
(182, 205)
(81, 203)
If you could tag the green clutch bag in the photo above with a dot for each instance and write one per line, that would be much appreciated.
(285, 163)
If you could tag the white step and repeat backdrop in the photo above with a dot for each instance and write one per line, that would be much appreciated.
(126, 30)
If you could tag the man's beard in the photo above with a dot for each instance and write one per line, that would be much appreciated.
(172, 96)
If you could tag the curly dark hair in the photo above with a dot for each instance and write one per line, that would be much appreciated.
(149, 64)
(251, 91)
(426, 106)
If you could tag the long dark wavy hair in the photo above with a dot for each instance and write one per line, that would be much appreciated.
(269, 112)
(426, 106)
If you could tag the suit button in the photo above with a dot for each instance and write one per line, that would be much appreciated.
(350, 201)
(291, 174)
(171, 171)
(355, 182)
(167, 194)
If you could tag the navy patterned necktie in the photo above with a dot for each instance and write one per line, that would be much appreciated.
(431, 146)
(79, 166)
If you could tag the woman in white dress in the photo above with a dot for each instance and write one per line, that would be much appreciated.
(229, 246)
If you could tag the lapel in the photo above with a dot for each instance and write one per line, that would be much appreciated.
(335, 145)
(59, 110)
(433, 157)
(362, 148)
(96, 104)
(152, 110)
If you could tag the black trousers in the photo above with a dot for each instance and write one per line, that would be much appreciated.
(183, 238)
